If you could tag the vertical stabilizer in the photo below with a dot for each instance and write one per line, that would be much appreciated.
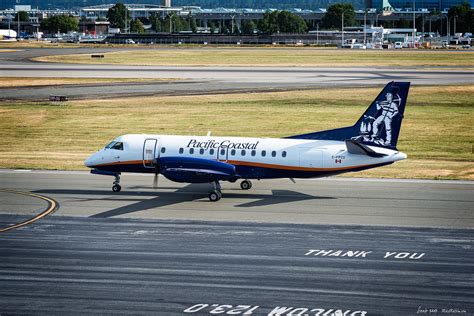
(379, 125)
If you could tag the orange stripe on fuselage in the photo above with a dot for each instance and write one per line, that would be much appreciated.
(129, 162)
(249, 164)
(283, 167)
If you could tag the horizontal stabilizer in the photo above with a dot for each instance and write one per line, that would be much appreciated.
(357, 148)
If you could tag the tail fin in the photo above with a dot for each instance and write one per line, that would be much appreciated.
(379, 125)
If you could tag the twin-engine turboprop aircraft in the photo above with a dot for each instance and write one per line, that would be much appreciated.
(369, 143)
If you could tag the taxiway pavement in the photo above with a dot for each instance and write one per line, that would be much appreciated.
(416, 203)
(278, 249)
(203, 80)
(69, 265)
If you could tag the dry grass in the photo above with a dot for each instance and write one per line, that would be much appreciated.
(37, 81)
(437, 133)
(275, 57)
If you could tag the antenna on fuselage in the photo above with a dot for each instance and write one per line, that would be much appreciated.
(208, 133)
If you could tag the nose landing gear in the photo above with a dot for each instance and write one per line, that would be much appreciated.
(117, 187)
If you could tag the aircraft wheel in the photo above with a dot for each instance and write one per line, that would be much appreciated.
(246, 185)
(215, 196)
(116, 188)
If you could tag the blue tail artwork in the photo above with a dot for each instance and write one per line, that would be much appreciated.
(379, 125)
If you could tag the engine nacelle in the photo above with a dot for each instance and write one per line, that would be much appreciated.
(195, 170)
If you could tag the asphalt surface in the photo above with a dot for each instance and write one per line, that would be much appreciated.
(203, 80)
(414, 203)
(64, 265)
(318, 247)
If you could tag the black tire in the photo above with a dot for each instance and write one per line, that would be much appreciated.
(116, 188)
(246, 185)
(214, 196)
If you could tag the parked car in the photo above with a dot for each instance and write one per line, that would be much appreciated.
(398, 45)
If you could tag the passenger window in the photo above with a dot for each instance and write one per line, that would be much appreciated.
(242, 152)
(201, 151)
(191, 151)
(232, 152)
(181, 150)
(264, 153)
(117, 146)
(163, 150)
(283, 154)
(211, 151)
(222, 152)
(274, 153)
(253, 152)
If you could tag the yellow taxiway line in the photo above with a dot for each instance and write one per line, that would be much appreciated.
(52, 206)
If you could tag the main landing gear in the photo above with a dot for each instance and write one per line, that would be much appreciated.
(215, 195)
(246, 185)
(116, 187)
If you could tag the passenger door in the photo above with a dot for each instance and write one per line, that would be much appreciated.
(223, 154)
(150, 152)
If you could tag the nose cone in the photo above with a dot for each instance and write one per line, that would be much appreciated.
(91, 162)
(88, 162)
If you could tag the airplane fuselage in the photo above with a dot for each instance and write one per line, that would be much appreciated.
(253, 158)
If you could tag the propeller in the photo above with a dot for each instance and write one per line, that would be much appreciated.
(157, 171)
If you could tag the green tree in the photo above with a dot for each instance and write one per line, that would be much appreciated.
(59, 23)
(291, 23)
(116, 15)
(193, 25)
(333, 17)
(248, 27)
(136, 26)
(464, 17)
(281, 21)
(269, 24)
(156, 23)
(24, 16)
(212, 27)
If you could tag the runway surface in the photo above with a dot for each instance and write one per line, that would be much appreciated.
(64, 265)
(278, 249)
(202, 80)
(447, 204)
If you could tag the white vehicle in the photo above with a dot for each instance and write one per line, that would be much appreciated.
(371, 142)
(8, 36)
(398, 45)
(129, 41)
(359, 46)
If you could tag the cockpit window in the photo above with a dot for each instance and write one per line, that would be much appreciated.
(117, 146)
(110, 144)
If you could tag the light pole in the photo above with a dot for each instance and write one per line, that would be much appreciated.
(342, 29)
(454, 33)
(414, 23)
(317, 34)
(18, 28)
(365, 27)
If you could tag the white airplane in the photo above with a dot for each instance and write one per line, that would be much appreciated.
(369, 143)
